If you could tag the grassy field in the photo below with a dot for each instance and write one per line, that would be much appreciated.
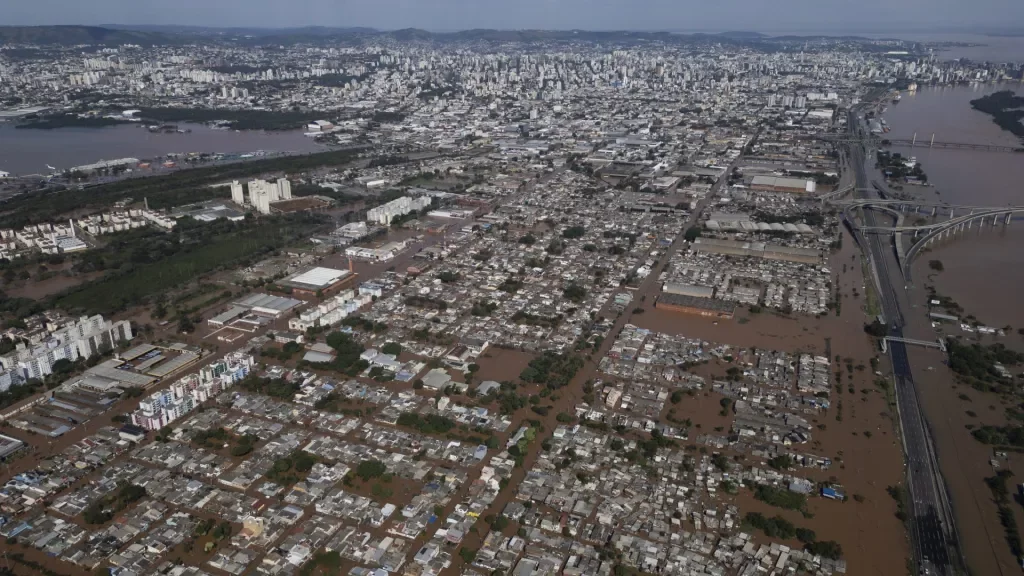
(226, 246)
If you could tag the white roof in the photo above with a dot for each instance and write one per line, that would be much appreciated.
(320, 276)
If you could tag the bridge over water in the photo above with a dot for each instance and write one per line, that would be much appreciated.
(913, 143)
(926, 233)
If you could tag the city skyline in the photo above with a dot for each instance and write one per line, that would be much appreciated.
(788, 16)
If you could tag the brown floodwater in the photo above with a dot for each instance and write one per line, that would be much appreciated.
(873, 539)
(982, 271)
(40, 289)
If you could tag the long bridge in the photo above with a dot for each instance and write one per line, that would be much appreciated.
(913, 143)
(956, 145)
(925, 233)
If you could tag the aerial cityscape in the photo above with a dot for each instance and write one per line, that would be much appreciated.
(353, 301)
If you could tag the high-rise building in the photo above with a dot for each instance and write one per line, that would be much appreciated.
(237, 193)
(385, 213)
(284, 189)
(80, 339)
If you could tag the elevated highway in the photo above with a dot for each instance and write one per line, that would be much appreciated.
(933, 533)
(923, 234)
(954, 226)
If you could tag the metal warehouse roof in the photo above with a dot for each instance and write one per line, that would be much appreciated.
(319, 276)
(268, 302)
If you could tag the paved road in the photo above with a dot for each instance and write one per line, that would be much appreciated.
(932, 531)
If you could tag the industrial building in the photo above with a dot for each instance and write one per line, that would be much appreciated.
(688, 290)
(780, 184)
(381, 254)
(106, 165)
(9, 445)
(319, 279)
(740, 222)
(268, 305)
(758, 249)
(695, 305)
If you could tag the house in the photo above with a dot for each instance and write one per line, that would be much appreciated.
(386, 361)
(436, 379)
(132, 433)
(487, 386)
(318, 357)
(833, 493)
(426, 554)
(459, 354)
(286, 337)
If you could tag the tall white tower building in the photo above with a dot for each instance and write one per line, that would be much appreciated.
(237, 193)
(284, 189)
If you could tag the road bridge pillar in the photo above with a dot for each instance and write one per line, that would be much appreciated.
(1008, 215)
(950, 213)
(934, 211)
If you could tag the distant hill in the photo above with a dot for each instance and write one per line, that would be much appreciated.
(742, 35)
(173, 34)
(74, 35)
(243, 31)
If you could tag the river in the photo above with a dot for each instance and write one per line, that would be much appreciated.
(986, 49)
(30, 151)
(983, 270)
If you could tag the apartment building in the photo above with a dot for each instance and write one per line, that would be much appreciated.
(79, 339)
(183, 396)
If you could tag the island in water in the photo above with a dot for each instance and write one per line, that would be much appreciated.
(1005, 108)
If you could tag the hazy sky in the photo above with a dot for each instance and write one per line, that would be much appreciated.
(762, 15)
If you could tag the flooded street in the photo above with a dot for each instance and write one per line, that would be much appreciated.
(858, 433)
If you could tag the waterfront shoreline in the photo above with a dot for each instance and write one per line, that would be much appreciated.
(971, 178)
(25, 152)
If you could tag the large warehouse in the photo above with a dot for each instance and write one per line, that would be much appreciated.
(268, 305)
(779, 184)
(688, 290)
(695, 305)
(319, 279)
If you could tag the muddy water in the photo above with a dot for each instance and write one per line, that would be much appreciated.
(960, 176)
(500, 364)
(982, 272)
(873, 539)
(41, 289)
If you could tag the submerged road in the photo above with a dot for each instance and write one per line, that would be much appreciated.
(932, 529)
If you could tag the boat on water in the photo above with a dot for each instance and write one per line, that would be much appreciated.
(896, 99)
